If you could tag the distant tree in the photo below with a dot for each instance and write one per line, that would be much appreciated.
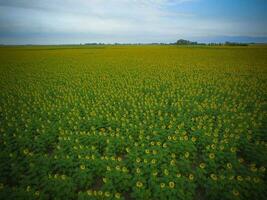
(235, 44)
(185, 42)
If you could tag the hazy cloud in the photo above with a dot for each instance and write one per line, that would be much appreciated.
(70, 21)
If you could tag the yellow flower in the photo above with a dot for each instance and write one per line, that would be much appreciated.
(117, 195)
(178, 175)
(107, 194)
(235, 192)
(231, 177)
(233, 149)
(108, 168)
(166, 172)
(213, 177)
(256, 179)
(28, 189)
(211, 155)
(194, 139)
(37, 193)
(138, 160)
(262, 169)
(253, 169)
(191, 177)
(202, 165)
(172, 162)
(124, 169)
(153, 161)
(171, 184)
(104, 180)
(155, 173)
(89, 192)
(82, 167)
(139, 184)
(187, 154)
(26, 151)
(63, 177)
(138, 171)
(162, 185)
(1, 185)
(229, 165)
(239, 178)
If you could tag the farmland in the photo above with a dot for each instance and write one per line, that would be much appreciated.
(133, 122)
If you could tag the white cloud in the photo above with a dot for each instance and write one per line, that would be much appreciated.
(113, 20)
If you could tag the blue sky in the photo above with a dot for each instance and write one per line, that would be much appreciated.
(109, 21)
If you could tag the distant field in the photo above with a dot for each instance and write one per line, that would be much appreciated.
(133, 122)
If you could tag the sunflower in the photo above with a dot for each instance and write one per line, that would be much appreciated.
(186, 154)
(202, 165)
(139, 184)
(229, 165)
(107, 194)
(89, 192)
(82, 167)
(166, 172)
(172, 162)
(235, 192)
(117, 195)
(194, 139)
(239, 178)
(28, 189)
(171, 184)
(191, 177)
(155, 173)
(211, 155)
(213, 177)
(262, 169)
(124, 169)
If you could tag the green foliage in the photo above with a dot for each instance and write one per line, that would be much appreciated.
(133, 122)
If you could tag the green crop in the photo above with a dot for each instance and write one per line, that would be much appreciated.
(133, 122)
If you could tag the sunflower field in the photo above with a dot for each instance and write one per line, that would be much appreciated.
(133, 122)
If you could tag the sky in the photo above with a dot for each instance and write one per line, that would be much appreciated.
(131, 21)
